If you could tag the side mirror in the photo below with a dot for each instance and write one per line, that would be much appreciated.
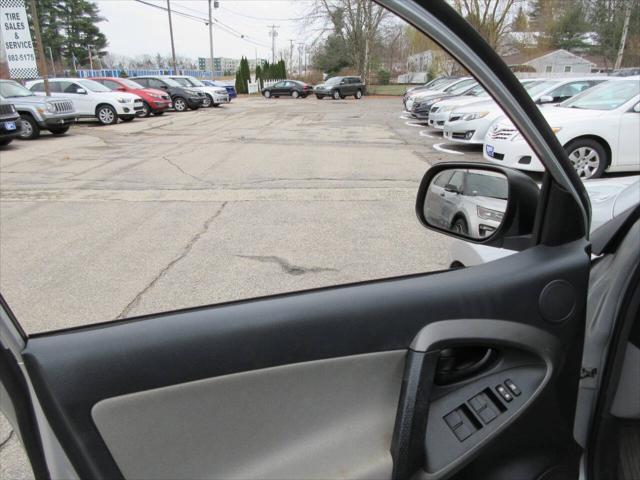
(545, 99)
(451, 189)
(121, 89)
(496, 207)
(81, 91)
(636, 108)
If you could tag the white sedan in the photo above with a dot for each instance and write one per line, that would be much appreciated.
(470, 124)
(598, 129)
(411, 97)
(440, 112)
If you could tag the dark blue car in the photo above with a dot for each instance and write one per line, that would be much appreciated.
(231, 90)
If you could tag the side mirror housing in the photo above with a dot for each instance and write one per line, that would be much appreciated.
(121, 89)
(81, 91)
(636, 108)
(496, 206)
(545, 99)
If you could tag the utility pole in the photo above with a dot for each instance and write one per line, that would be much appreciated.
(273, 34)
(173, 48)
(42, 63)
(53, 65)
(623, 40)
(300, 47)
(211, 38)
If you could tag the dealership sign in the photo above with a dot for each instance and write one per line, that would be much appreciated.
(16, 40)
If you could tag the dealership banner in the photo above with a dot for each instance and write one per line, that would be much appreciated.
(16, 40)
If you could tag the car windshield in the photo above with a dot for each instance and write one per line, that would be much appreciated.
(172, 83)
(93, 86)
(183, 82)
(536, 88)
(607, 96)
(13, 90)
(460, 88)
(438, 82)
(483, 185)
(477, 91)
(130, 83)
(195, 82)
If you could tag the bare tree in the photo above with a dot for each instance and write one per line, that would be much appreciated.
(491, 18)
(357, 22)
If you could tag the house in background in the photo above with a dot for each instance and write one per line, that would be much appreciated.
(556, 61)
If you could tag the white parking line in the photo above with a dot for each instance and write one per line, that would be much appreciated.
(438, 146)
(425, 134)
(404, 117)
(413, 124)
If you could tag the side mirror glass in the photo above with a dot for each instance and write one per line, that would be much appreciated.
(473, 206)
(545, 99)
(81, 91)
(480, 203)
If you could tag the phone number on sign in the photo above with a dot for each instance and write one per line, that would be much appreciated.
(22, 57)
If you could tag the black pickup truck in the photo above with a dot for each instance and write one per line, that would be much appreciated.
(10, 123)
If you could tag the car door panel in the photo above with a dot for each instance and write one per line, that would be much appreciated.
(74, 371)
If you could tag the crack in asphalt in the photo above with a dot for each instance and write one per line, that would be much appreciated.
(184, 172)
(286, 266)
(185, 251)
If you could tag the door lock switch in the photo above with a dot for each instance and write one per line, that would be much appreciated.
(504, 393)
(513, 387)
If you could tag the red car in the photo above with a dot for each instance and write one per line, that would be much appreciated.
(154, 101)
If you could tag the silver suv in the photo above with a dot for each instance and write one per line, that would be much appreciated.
(468, 202)
(38, 112)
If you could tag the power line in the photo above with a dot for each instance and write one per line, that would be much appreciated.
(221, 25)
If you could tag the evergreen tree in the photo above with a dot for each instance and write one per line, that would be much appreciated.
(79, 25)
(49, 14)
(259, 77)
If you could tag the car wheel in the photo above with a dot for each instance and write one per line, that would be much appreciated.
(336, 95)
(215, 105)
(207, 101)
(59, 130)
(295, 94)
(107, 115)
(127, 118)
(460, 227)
(588, 157)
(358, 95)
(267, 94)
(456, 264)
(146, 110)
(319, 97)
(5, 141)
(30, 129)
(180, 104)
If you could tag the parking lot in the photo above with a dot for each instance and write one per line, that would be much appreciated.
(254, 198)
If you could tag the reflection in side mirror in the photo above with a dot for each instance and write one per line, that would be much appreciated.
(467, 202)
(545, 99)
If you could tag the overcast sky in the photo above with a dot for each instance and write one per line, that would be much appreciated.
(133, 28)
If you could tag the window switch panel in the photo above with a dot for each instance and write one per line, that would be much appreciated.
(513, 387)
(504, 393)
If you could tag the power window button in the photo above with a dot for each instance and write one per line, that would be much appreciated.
(504, 393)
(462, 432)
(512, 386)
(478, 403)
(453, 419)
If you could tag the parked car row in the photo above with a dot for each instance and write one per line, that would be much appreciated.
(26, 110)
(597, 119)
(335, 87)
